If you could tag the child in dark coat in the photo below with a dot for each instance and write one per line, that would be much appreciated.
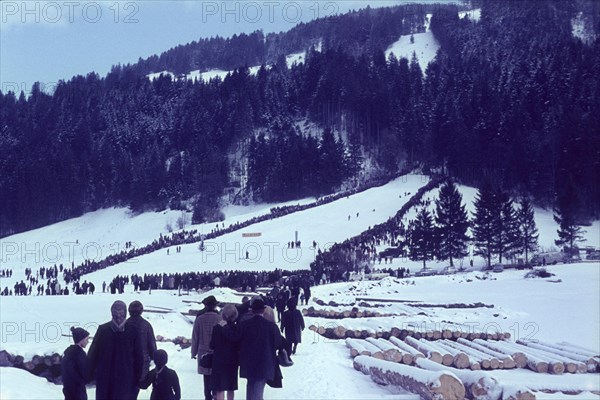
(292, 324)
(164, 381)
(73, 366)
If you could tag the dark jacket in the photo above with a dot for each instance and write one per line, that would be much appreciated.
(165, 384)
(259, 341)
(146, 337)
(74, 376)
(115, 361)
(225, 345)
(292, 323)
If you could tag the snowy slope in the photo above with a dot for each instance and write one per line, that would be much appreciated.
(100, 233)
(425, 47)
(291, 59)
(325, 224)
(564, 307)
(323, 368)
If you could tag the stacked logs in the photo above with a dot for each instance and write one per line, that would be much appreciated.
(45, 366)
(576, 359)
(335, 331)
(181, 341)
(478, 354)
(353, 313)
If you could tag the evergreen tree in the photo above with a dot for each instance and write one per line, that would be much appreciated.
(452, 224)
(569, 232)
(505, 226)
(421, 237)
(484, 224)
(528, 233)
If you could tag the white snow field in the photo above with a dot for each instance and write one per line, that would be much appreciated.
(291, 59)
(564, 307)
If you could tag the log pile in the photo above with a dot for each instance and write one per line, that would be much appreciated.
(576, 359)
(180, 341)
(334, 330)
(353, 313)
(44, 366)
(428, 385)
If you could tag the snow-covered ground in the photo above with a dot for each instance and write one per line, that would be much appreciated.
(545, 309)
(565, 307)
(197, 75)
(424, 45)
(474, 14)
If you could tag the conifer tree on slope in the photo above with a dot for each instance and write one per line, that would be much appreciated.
(452, 224)
(528, 232)
(421, 237)
(484, 223)
(569, 233)
(506, 227)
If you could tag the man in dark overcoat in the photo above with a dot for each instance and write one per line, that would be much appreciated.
(115, 357)
(259, 341)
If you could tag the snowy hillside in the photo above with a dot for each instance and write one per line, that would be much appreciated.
(291, 59)
(323, 367)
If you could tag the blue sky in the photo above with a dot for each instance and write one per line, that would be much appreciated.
(50, 40)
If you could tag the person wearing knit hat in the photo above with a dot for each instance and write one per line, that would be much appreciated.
(73, 366)
(115, 358)
(145, 333)
(164, 381)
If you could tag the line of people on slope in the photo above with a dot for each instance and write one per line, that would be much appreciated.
(244, 337)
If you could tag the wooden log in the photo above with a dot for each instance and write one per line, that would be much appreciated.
(511, 392)
(339, 332)
(534, 362)
(483, 359)
(519, 358)
(460, 360)
(590, 363)
(478, 385)
(447, 358)
(429, 385)
(407, 349)
(390, 352)
(395, 332)
(424, 348)
(579, 350)
(569, 365)
(56, 359)
(6, 359)
(555, 365)
(507, 361)
(356, 348)
(374, 350)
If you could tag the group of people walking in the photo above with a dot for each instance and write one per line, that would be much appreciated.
(240, 340)
(118, 360)
(244, 338)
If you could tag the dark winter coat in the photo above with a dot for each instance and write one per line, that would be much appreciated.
(259, 341)
(292, 323)
(165, 384)
(201, 335)
(224, 345)
(115, 361)
(74, 376)
(146, 338)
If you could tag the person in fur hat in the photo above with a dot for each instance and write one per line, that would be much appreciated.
(73, 366)
(164, 381)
